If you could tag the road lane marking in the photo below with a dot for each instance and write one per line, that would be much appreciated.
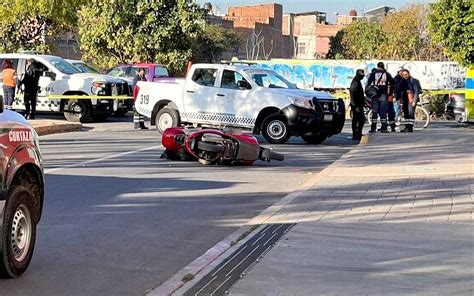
(80, 164)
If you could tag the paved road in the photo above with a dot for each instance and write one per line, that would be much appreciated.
(393, 218)
(118, 220)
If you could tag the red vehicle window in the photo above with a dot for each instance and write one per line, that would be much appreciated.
(160, 72)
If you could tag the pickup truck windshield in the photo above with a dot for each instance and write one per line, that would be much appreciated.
(63, 66)
(269, 79)
(85, 68)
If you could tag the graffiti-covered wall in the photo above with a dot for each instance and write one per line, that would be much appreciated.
(339, 73)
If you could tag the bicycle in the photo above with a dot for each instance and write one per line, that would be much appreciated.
(422, 116)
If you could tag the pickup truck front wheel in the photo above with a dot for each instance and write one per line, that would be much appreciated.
(166, 118)
(77, 110)
(275, 129)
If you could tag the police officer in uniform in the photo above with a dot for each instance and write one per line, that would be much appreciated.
(357, 105)
(30, 82)
(382, 80)
(138, 119)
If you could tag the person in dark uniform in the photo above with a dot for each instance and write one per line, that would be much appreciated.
(394, 100)
(30, 82)
(384, 82)
(138, 119)
(409, 91)
(357, 105)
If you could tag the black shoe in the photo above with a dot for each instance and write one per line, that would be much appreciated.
(405, 130)
(385, 131)
(143, 128)
(372, 131)
(393, 130)
(410, 130)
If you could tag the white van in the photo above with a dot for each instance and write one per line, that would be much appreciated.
(62, 78)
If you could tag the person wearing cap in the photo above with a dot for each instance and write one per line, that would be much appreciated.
(30, 82)
(383, 82)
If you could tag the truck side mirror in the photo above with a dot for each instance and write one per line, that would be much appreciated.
(1, 104)
(50, 74)
(242, 84)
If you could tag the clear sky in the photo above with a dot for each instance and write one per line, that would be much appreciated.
(329, 6)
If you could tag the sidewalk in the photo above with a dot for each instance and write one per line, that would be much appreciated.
(48, 126)
(391, 217)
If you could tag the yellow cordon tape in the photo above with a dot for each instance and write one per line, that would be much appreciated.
(77, 97)
(427, 92)
(338, 95)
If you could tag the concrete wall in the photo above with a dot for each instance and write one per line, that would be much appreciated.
(339, 73)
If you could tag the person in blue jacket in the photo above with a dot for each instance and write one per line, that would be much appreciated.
(409, 91)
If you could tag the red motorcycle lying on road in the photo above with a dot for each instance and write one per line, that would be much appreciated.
(210, 146)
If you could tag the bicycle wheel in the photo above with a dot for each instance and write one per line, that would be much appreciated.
(368, 117)
(422, 118)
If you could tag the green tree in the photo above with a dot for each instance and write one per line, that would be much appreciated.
(213, 41)
(452, 24)
(27, 24)
(112, 32)
(362, 39)
(407, 36)
(336, 48)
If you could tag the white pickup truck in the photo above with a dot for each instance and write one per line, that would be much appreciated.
(61, 78)
(241, 96)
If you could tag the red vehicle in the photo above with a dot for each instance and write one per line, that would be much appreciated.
(21, 192)
(211, 146)
(153, 72)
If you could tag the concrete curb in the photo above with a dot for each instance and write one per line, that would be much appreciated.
(364, 140)
(54, 127)
(219, 252)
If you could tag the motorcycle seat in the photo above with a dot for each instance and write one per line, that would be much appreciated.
(211, 138)
(232, 131)
(188, 131)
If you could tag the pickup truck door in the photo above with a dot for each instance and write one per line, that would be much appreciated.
(198, 96)
(233, 102)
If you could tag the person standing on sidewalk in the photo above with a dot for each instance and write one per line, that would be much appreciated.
(9, 83)
(30, 82)
(394, 100)
(357, 105)
(409, 91)
(382, 82)
(138, 119)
